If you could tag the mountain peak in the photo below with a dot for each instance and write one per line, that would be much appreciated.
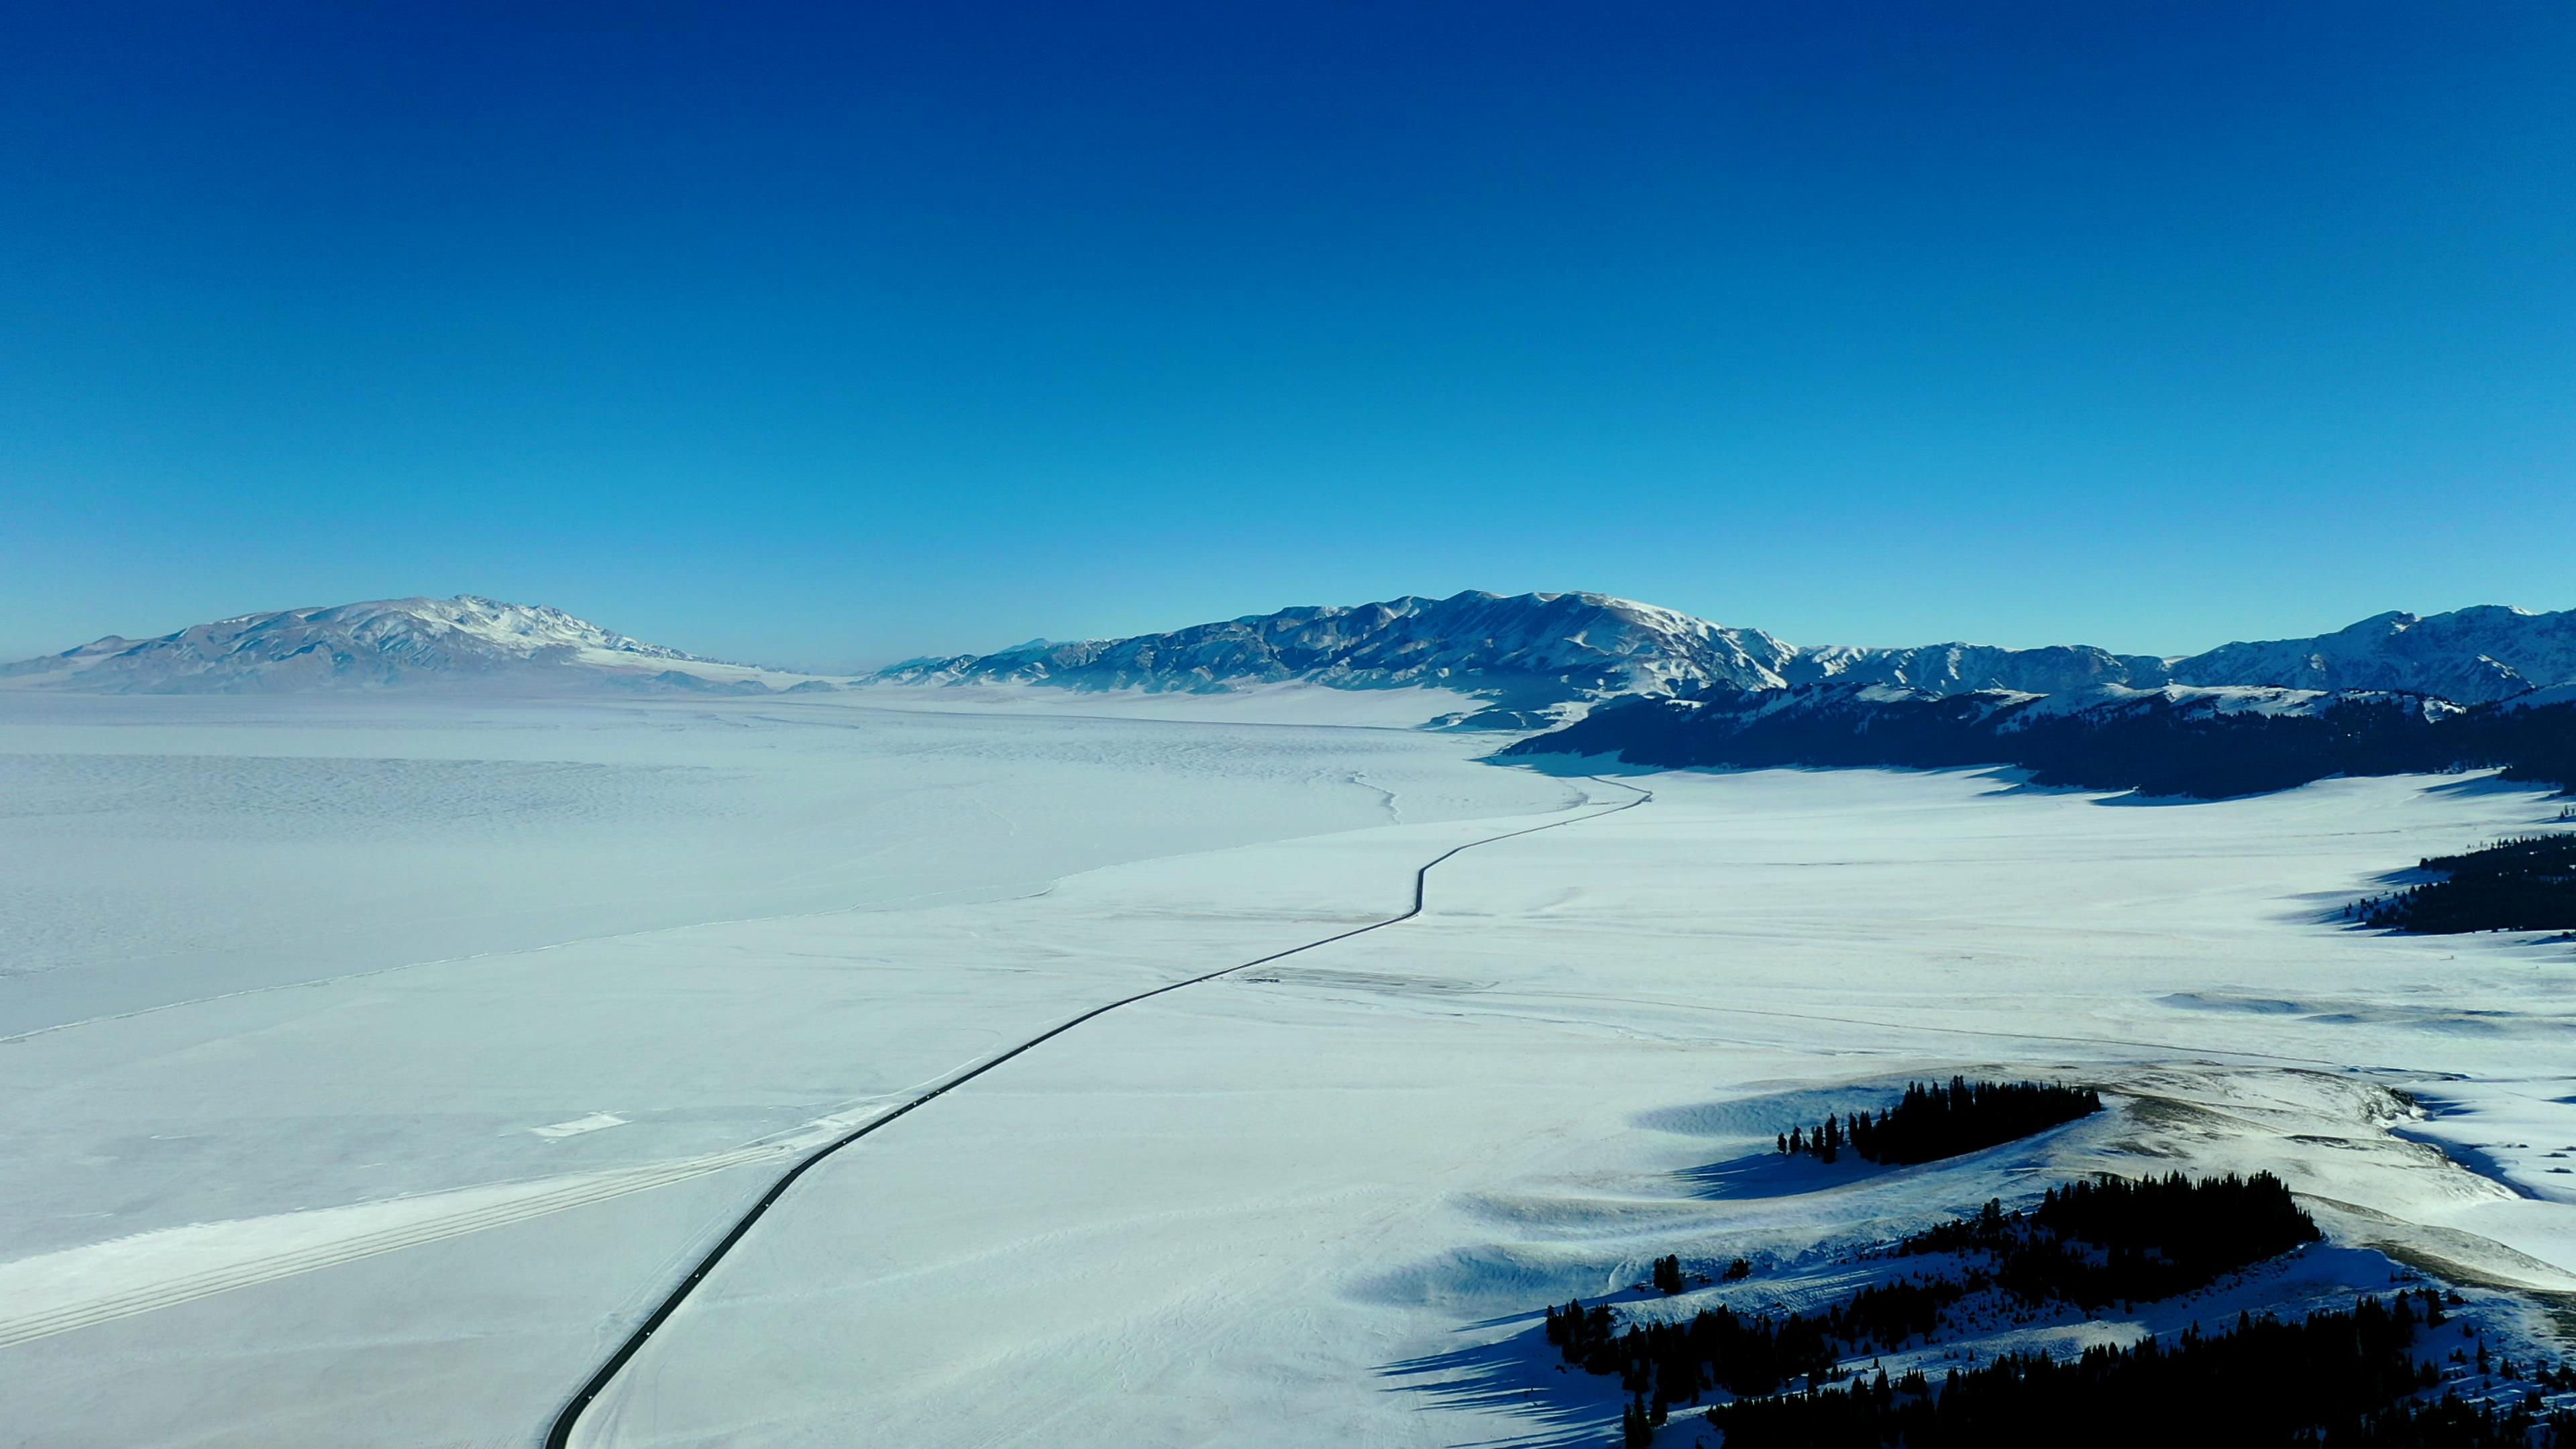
(2484, 652)
(374, 644)
(1520, 648)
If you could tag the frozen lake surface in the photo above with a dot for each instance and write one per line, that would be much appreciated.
(374, 1067)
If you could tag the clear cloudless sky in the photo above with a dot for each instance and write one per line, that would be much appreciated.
(832, 334)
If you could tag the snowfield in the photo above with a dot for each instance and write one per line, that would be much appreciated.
(374, 1067)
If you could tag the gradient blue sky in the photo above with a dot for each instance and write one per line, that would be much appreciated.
(828, 335)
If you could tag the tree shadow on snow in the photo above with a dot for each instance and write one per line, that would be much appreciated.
(1777, 1174)
(1518, 1378)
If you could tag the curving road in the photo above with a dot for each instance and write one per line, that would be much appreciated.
(560, 1435)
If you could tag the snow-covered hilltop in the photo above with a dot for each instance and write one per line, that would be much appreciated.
(380, 644)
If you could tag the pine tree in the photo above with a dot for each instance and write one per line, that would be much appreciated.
(1636, 1430)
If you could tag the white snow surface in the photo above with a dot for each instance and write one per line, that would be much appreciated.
(373, 1069)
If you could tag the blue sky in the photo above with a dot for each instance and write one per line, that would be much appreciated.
(829, 335)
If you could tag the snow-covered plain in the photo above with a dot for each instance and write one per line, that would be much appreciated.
(670, 944)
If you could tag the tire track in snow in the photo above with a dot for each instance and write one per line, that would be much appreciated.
(559, 1436)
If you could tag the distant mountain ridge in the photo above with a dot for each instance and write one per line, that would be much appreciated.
(1553, 645)
(384, 643)
(1534, 659)
(2471, 655)
(1537, 646)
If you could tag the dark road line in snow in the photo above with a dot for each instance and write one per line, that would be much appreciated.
(560, 1435)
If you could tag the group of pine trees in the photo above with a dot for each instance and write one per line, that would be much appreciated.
(1638, 1421)
(2112, 1240)
(2346, 1379)
(2087, 1243)
(2160, 753)
(2526, 884)
(1934, 1121)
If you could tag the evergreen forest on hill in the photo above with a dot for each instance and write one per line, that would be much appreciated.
(2360, 1378)
(2164, 751)
(2088, 1243)
(2348, 1379)
(2528, 884)
(1932, 1122)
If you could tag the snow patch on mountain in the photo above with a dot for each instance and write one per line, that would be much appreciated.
(2188, 701)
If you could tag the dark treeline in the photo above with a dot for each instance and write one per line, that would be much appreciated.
(2111, 1240)
(2159, 750)
(1719, 1348)
(2344, 1379)
(2527, 884)
(2087, 1243)
(1931, 1122)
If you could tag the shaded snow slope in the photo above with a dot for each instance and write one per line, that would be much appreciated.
(2174, 739)
(382, 643)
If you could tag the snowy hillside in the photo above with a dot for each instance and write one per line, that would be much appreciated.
(1571, 643)
(2470, 655)
(1528, 647)
(1536, 649)
(1963, 668)
(384, 643)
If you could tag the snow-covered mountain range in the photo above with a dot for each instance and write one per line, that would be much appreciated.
(1593, 645)
(1528, 654)
(2470, 655)
(1564, 645)
(382, 644)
